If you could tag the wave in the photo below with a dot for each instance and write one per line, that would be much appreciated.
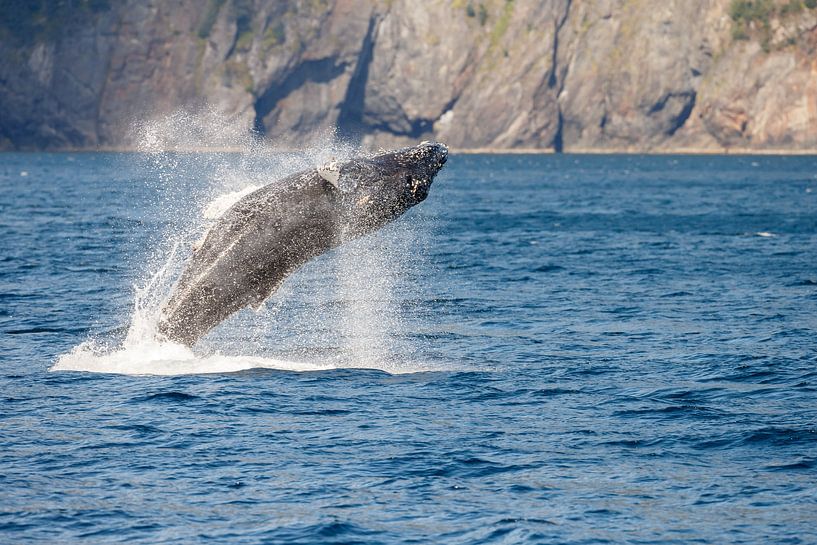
(155, 358)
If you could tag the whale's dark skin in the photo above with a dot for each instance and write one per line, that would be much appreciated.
(271, 232)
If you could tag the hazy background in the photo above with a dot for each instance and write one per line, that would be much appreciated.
(620, 75)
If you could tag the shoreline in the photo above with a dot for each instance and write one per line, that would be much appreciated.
(460, 151)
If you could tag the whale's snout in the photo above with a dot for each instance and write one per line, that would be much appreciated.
(436, 152)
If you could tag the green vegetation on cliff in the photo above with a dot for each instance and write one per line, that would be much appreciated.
(753, 18)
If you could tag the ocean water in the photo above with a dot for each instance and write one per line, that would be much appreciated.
(550, 349)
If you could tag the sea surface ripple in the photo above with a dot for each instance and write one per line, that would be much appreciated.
(579, 349)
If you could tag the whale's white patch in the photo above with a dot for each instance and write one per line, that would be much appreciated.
(216, 208)
(330, 172)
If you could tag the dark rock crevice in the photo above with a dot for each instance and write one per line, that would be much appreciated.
(350, 124)
(558, 138)
(554, 80)
(418, 128)
(315, 71)
(686, 101)
(98, 113)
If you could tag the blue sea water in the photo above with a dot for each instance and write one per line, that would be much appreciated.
(550, 349)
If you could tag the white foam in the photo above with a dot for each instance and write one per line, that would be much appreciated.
(156, 358)
(170, 359)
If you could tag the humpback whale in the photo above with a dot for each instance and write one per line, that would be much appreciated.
(266, 235)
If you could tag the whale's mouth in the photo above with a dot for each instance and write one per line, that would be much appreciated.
(442, 155)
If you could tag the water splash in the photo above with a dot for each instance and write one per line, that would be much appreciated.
(349, 321)
(371, 281)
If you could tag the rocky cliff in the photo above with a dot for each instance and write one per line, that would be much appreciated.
(558, 74)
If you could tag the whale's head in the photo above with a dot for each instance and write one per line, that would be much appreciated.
(379, 188)
(407, 174)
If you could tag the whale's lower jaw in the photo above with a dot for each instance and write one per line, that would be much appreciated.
(187, 321)
(185, 326)
(199, 304)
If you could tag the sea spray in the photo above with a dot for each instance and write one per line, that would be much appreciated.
(369, 279)
(368, 321)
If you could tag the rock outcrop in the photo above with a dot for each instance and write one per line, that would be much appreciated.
(560, 74)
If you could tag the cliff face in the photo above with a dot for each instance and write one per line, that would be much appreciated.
(562, 74)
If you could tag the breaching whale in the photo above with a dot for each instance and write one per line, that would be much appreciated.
(269, 233)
